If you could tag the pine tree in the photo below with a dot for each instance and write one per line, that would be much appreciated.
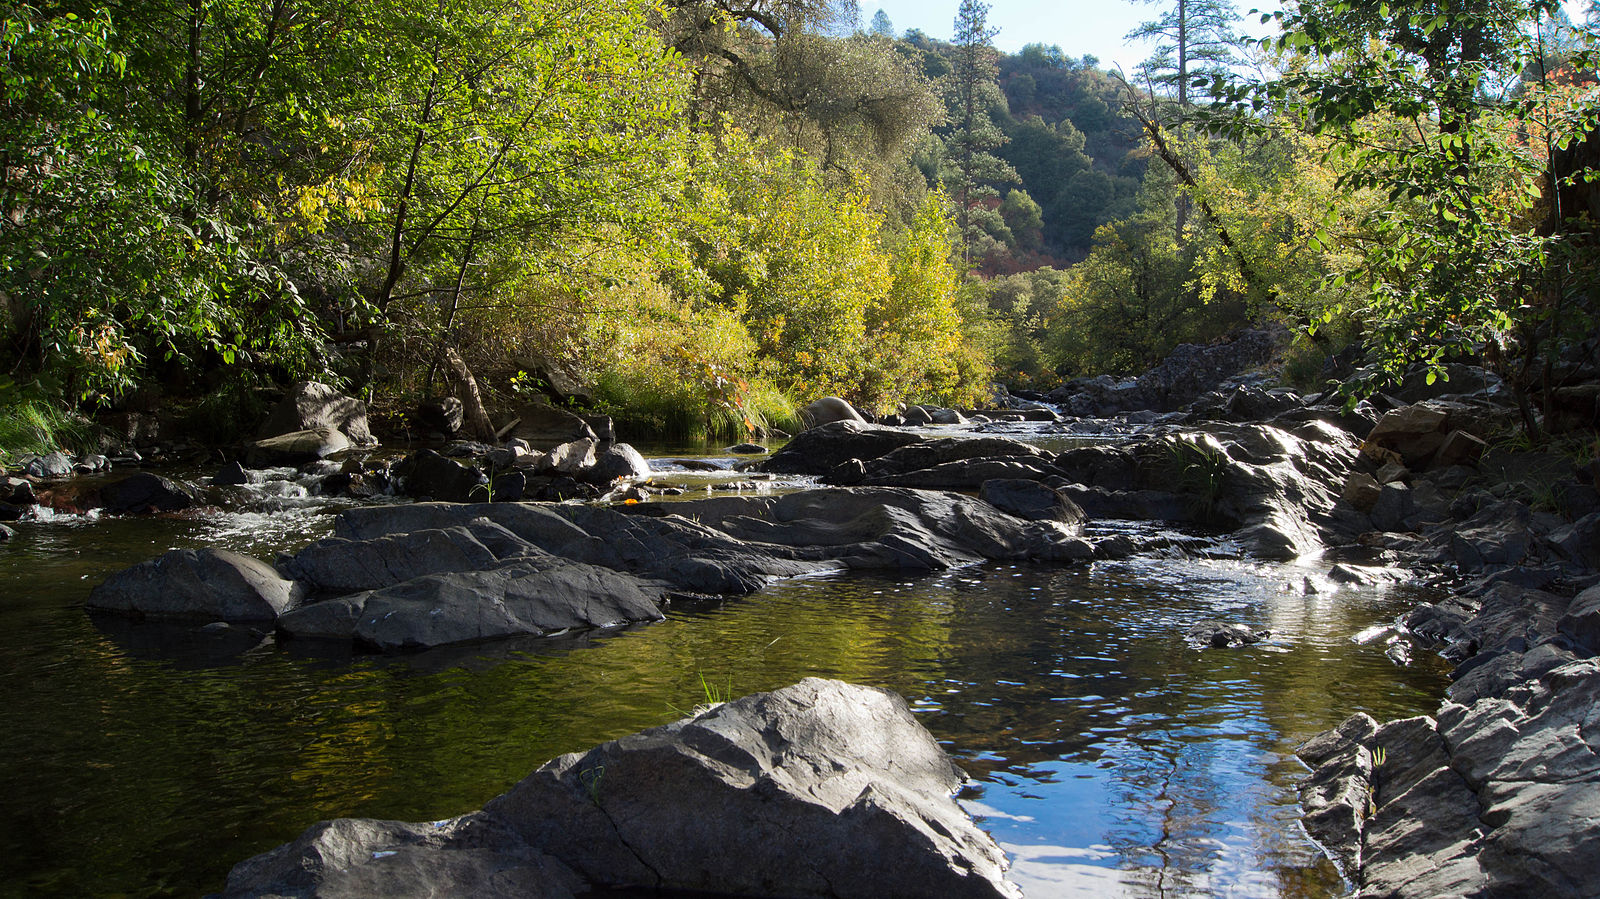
(972, 169)
(881, 26)
(1193, 38)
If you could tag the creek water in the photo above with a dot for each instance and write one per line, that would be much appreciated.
(1107, 756)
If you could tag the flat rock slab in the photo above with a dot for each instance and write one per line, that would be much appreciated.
(822, 789)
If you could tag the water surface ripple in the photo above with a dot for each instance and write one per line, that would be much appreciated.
(1108, 757)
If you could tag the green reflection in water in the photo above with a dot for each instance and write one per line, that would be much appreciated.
(1107, 756)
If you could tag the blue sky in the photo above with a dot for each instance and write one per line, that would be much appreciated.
(1076, 26)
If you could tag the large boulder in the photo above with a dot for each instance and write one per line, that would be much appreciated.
(144, 493)
(198, 585)
(426, 473)
(822, 789)
(296, 447)
(819, 450)
(827, 410)
(1032, 500)
(617, 462)
(546, 427)
(353, 858)
(441, 415)
(517, 599)
(49, 466)
(335, 565)
(310, 405)
(1414, 432)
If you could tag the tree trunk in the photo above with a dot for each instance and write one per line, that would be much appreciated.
(478, 425)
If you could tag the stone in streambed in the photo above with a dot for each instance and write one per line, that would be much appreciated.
(1032, 500)
(146, 493)
(198, 585)
(822, 790)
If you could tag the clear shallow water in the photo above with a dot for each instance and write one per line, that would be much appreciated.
(1107, 757)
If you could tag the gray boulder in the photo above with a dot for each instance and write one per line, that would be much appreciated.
(1033, 501)
(518, 599)
(353, 858)
(144, 493)
(50, 465)
(822, 789)
(546, 427)
(6, 533)
(617, 462)
(1581, 623)
(296, 447)
(425, 473)
(311, 406)
(198, 585)
(827, 410)
(819, 450)
(337, 565)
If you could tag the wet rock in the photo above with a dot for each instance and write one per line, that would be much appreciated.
(822, 789)
(849, 473)
(748, 449)
(49, 466)
(1033, 501)
(17, 491)
(311, 406)
(819, 450)
(916, 417)
(199, 585)
(6, 533)
(352, 485)
(426, 473)
(296, 447)
(517, 599)
(827, 410)
(145, 493)
(234, 474)
(926, 454)
(967, 474)
(1222, 635)
(92, 464)
(340, 565)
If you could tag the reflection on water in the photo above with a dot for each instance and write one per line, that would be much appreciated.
(1107, 756)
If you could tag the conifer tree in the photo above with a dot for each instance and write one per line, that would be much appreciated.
(972, 169)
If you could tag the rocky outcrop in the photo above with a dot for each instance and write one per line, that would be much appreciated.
(401, 578)
(311, 406)
(819, 450)
(1188, 373)
(822, 789)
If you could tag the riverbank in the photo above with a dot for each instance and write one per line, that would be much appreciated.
(1275, 489)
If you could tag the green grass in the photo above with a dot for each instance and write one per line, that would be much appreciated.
(646, 408)
(35, 426)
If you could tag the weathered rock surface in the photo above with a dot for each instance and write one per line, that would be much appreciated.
(827, 410)
(49, 465)
(144, 493)
(296, 447)
(819, 450)
(1222, 635)
(822, 789)
(311, 406)
(198, 585)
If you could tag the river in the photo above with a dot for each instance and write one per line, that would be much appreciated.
(1107, 756)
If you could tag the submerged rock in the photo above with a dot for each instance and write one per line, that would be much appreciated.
(1222, 635)
(822, 789)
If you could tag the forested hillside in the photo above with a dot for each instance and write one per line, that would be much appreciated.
(704, 212)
